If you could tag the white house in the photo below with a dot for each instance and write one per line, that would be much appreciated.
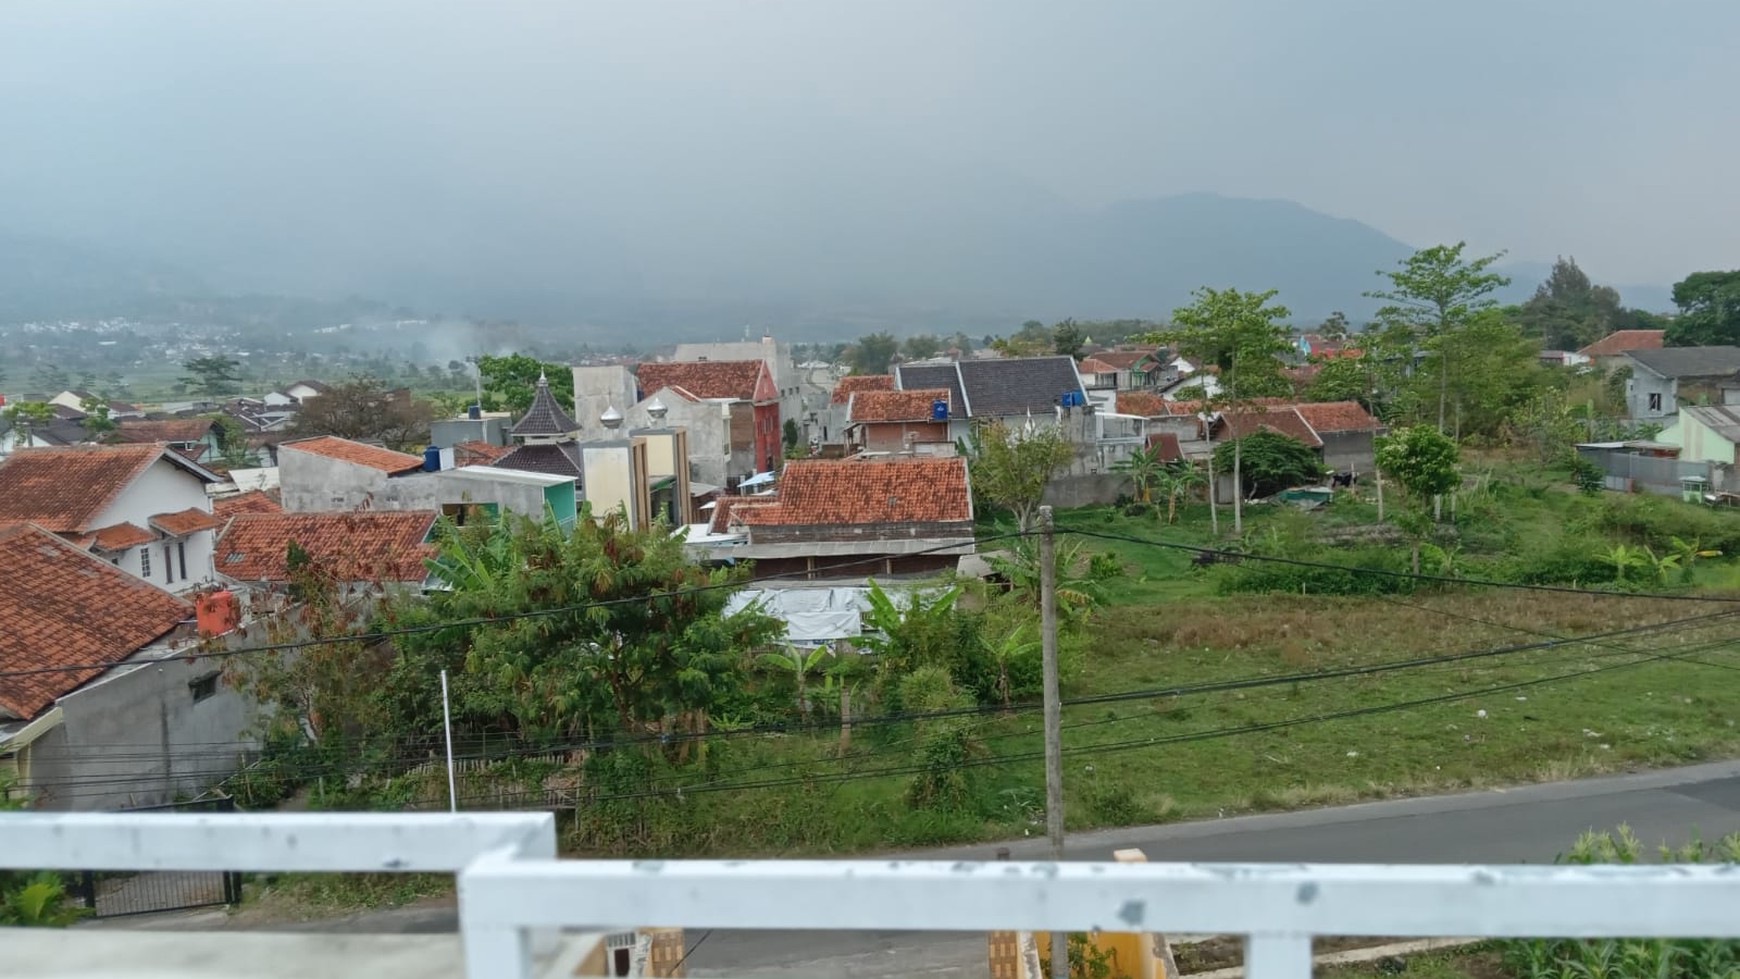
(143, 508)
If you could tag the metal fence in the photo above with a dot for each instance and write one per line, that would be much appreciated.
(117, 895)
(514, 893)
(1631, 471)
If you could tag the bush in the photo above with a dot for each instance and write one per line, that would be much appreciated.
(1139, 510)
(1343, 577)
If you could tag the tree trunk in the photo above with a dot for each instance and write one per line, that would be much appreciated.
(845, 718)
(1416, 556)
(1213, 511)
(1238, 488)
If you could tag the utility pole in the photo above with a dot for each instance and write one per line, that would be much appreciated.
(1053, 719)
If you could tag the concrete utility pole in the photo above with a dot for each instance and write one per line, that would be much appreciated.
(1053, 718)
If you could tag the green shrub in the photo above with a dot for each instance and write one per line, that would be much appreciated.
(1343, 575)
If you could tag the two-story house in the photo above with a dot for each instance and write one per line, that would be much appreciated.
(833, 424)
(329, 473)
(899, 421)
(1011, 390)
(743, 391)
(1664, 378)
(143, 508)
(103, 708)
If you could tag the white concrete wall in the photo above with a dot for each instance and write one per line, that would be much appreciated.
(598, 388)
(165, 488)
(526, 499)
(138, 738)
(709, 432)
(315, 482)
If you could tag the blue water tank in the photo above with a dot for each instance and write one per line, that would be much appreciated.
(432, 458)
(474, 411)
(939, 410)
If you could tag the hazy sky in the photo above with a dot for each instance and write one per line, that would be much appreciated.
(329, 141)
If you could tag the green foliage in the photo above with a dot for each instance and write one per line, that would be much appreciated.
(1241, 334)
(32, 898)
(1271, 462)
(1629, 958)
(1142, 465)
(1067, 339)
(213, 376)
(871, 353)
(509, 381)
(1589, 478)
(1339, 578)
(1709, 305)
(1568, 311)
(1548, 426)
(1011, 468)
(945, 744)
(791, 434)
(1421, 459)
(367, 408)
(1434, 294)
(1175, 481)
(1342, 379)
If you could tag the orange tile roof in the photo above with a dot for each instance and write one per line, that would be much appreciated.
(1283, 421)
(62, 607)
(344, 450)
(119, 537)
(1144, 403)
(474, 452)
(702, 378)
(895, 406)
(725, 507)
(184, 522)
(1121, 360)
(166, 430)
(1338, 416)
(65, 488)
(825, 491)
(1619, 341)
(352, 545)
(845, 386)
(253, 501)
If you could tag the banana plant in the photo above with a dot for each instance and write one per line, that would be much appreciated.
(1688, 553)
(794, 661)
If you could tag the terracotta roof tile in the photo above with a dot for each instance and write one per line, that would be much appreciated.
(1144, 403)
(725, 507)
(821, 491)
(61, 607)
(1338, 416)
(184, 522)
(354, 545)
(474, 452)
(1167, 444)
(1619, 341)
(1285, 421)
(895, 406)
(167, 430)
(254, 501)
(119, 537)
(1122, 360)
(702, 378)
(344, 450)
(65, 488)
(845, 386)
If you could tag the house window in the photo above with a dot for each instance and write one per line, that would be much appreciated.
(145, 563)
(181, 552)
(168, 564)
(204, 687)
(1655, 402)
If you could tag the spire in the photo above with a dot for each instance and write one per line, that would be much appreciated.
(545, 419)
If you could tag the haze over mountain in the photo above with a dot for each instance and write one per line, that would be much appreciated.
(700, 165)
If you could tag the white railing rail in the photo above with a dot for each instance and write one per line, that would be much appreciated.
(512, 890)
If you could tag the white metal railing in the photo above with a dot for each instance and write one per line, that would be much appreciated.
(512, 889)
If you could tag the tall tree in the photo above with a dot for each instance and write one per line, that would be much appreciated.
(1032, 340)
(1067, 338)
(508, 381)
(366, 409)
(1424, 463)
(1709, 305)
(213, 376)
(1335, 327)
(1244, 337)
(1568, 311)
(1435, 292)
(920, 346)
(1011, 467)
(872, 352)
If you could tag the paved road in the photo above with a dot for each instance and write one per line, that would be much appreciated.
(1522, 825)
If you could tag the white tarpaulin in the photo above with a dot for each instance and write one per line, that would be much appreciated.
(811, 615)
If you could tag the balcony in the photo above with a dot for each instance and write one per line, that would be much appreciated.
(524, 913)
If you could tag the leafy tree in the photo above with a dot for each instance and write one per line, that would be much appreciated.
(365, 408)
(1067, 338)
(1547, 425)
(1423, 462)
(1435, 293)
(508, 381)
(213, 376)
(1495, 372)
(1175, 480)
(1341, 379)
(1568, 311)
(1335, 327)
(790, 434)
(872, 353)
(1244, 336)
(97, 421)
(1709, 305)
(1271, 462)
(1032, 340)
(24, 415)
(232, 441)
(1011, 468)
(921, 346)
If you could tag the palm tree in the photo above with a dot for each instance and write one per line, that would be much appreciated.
(1143, 466)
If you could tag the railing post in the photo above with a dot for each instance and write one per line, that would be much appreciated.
(1277, 956)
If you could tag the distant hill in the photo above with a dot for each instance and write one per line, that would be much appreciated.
(909, 251)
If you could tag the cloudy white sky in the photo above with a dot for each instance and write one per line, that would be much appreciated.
(264, 135)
